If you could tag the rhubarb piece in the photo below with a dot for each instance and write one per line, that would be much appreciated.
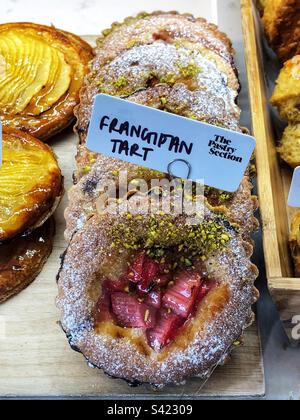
(144, 270)
(165, 330)
(145, 287)
(163, 279)
(154, 299)
(103, 308)
(135, 272)
(131, 313)
(150, 270)
(115, 285)
(182, 295)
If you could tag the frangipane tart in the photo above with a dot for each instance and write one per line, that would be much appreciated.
(162, 60)
(42, 70)
(154, 299)
(31, 184)
(22, 259)
(169, 49)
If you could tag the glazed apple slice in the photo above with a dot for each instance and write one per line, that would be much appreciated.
(181, 297)
(131, 313)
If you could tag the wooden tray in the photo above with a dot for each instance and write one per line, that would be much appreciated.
(274, 178)
(35, 359)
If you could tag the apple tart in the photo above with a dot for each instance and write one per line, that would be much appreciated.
(41, 73)
(22, 259)
(31, 184)
(169, 297)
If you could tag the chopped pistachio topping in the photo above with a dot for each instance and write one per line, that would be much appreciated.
(170, 79)
(159, 233)
(86, 170)
(190, 70)
(163, 101)
(100, 82)
(147, 315)
(217, 196)
(120, 82)
(131, 44)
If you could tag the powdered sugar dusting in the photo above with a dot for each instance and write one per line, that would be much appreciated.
(167, 63)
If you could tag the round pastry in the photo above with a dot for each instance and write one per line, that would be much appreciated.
(162, 60)
(31, 184)
(83, 196)
(152, 299)
(287, 91)
(172, 62)
(22, 259)
(169, 27)
(42, 70)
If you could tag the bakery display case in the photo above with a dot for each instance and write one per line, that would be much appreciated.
(109, 288)
(274, 83)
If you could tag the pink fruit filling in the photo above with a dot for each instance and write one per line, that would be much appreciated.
(151, 297)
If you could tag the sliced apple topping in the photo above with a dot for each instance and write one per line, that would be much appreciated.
(30, 184)
(153, 298)
(35, 74)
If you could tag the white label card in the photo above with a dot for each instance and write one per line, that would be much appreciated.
(294, 196)
(169, 143)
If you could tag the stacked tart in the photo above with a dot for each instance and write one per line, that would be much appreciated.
(152, 298)
(41, 73)
(31, 186)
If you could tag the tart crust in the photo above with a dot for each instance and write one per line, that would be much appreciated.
(294, 240)
(77, 54)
